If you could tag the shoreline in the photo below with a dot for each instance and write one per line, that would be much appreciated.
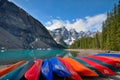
(83, 53)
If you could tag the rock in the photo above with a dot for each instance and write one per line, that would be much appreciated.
(19, 30)
(67, 37)
(63, 36)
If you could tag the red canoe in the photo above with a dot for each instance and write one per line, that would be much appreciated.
(34, 72)
(104, 70)
(115, 59)
(75, 75)
(80, 68)
(107, 60)
(10, 68)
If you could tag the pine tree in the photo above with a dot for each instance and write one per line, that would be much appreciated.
(118, 26)
(109, 38)
(114, 29)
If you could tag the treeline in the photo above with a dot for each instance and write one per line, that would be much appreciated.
(85, 42)
(109, 38)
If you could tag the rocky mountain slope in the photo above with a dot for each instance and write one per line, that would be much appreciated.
(67, 37)
(63, 36)
(19, 30)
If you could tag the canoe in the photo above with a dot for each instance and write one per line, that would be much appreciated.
(11, 67)
(107, 61)
(114, 59)
(58, 68)
(108, 54)
(46, 70)
(80, 68)
(104, 64)
(74, 75)
(20, 75)
(34, 72)
(104, 70)
(11, 75)
(89, 66)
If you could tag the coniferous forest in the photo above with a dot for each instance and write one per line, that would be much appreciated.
(108, 39)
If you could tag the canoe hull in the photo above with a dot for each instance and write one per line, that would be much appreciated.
(89, 66)
(74, 75)
(80, 68)
(107, 61)
(46, 70)
(10, 68)
(59, 68)
(34, 72)
(104, 70)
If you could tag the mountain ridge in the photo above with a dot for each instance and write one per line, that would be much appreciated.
(63, 36)
(26, 32)
(67, 37)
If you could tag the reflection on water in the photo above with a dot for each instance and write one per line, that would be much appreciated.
(2, 50)
(71, 54)
(11, 56)
(74, 53)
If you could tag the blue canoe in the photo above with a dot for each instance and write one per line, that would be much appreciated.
(108, 54)
(58, 68)
(12, 75)
(46, 70)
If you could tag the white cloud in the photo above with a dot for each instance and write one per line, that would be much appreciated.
(48, 23)
(92, 23)
(54, 24)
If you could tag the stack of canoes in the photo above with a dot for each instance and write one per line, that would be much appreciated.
(67, 68)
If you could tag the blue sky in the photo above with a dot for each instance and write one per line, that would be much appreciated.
(79, 14)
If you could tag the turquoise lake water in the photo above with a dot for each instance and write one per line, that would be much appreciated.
(11, 56)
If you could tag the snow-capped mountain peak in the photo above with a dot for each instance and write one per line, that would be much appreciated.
(67, 37)
(63, 36)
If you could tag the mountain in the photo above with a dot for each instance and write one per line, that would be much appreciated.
(63, 36)
(67, 37)
(19, 30)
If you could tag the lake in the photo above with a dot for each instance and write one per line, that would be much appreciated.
(12, 56)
